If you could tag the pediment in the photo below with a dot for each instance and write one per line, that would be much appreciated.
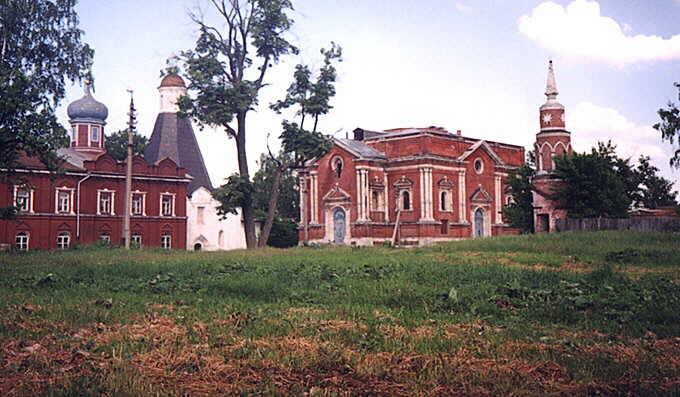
(403, 182)
(445, 182)
(200, 239)
(376, 183)
(105, 228)
(481, 196)
(336, 194)
(483, 145)
(64, 227)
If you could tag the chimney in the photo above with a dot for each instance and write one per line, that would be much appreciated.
(459, 132)
(358, 134)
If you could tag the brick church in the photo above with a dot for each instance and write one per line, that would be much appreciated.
(415, 186)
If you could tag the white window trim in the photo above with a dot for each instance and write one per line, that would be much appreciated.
(30, 198)
(381, 200)
(113, 201)
(169, 238)
(449, 200)
(98, 140)
(27, 235)
(68, 240)
(137, 234)
(143, 203)
(172, 204)
(71, 192)
(400, 200)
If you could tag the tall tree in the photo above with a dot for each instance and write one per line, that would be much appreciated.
(263, 185)
(670, 127)
(40, 48)
(655, 190)
(594, 184)
(116, 144)
(227, 69)
(299, 145)
(520, 213)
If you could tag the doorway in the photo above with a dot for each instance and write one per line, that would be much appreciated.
(479, 223)
(339, 226)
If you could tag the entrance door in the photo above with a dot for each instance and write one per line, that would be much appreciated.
(479, 223)
(339, 226)
(543, 223)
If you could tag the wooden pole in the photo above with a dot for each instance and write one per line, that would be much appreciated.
(128, 175)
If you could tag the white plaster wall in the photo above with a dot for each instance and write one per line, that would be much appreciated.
(169, 97)
(232, 227)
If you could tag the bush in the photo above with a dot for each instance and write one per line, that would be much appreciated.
(284, 233)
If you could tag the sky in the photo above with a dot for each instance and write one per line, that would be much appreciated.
(473, 65)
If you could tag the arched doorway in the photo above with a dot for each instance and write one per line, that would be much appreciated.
(198, 247)
(339, 226)
(479, 223)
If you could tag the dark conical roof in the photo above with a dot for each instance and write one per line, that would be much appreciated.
(174, 137)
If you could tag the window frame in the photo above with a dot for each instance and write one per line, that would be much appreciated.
(69, 195)
(61, 237)
(18, 190)
(166, 241)
(23, 245)
(94, 128)
(142, 210)
(162, 209)
(137, 239)
(100, 195)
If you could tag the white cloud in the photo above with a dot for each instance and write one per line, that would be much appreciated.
(590, 123)
(579, 30)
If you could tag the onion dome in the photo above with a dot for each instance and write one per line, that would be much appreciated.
(87, 108)
(172, 80)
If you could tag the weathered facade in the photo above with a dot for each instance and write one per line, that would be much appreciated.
(553, 140)
(416, 185)
(86, 203)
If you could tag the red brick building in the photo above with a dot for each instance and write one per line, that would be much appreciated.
(86, 203)
(420, 185)
(553, 140)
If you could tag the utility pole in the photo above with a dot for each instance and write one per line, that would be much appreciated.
(128, 175)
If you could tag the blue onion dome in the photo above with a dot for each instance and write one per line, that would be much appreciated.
(87, 108)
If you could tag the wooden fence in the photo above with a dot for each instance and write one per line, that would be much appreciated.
(650, 224)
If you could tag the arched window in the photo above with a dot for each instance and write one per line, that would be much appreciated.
(337, 167)
(22, 241)
(63, 240)
(197, 247)
(166, 241)
(442, 200)
(220, 239)
(405, 200)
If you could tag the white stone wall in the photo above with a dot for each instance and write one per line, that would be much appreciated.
(208, 232)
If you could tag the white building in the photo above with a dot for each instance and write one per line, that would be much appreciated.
(174, 137)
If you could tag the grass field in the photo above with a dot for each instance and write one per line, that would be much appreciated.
(575, 314)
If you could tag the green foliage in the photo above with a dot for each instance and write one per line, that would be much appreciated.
(234, 194)
(116, 144)
(655, 190)
(288, 204)
(284, 233)
(40, 48)
(670, 127)
(595, 184)
(520, 213)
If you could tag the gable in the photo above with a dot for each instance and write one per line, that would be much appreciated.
(336, 194)
(482, 145)
(481, 196)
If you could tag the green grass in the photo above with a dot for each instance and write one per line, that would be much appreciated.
(572, 313)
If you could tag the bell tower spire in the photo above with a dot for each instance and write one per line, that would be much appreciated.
(551, 87)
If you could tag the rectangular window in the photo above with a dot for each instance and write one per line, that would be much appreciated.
(22, 241)
(166, 241)
(136, 240)
(63, 240)
(23, 200)
(105, 202)
(137, 204)
(166, 205)
(63, 201)
(94, 134)
(199, 215)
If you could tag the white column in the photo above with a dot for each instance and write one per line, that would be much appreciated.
(462, 205)
(314, 199)
(303, 191)
(421, 188)
(386, 199)
(499, 202)
(428, 198)
(359, 201)
(367, 213)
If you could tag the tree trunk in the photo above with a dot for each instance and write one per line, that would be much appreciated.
(247, 210)
(271, 209)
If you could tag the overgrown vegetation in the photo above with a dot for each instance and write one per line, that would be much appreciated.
(574, 313)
